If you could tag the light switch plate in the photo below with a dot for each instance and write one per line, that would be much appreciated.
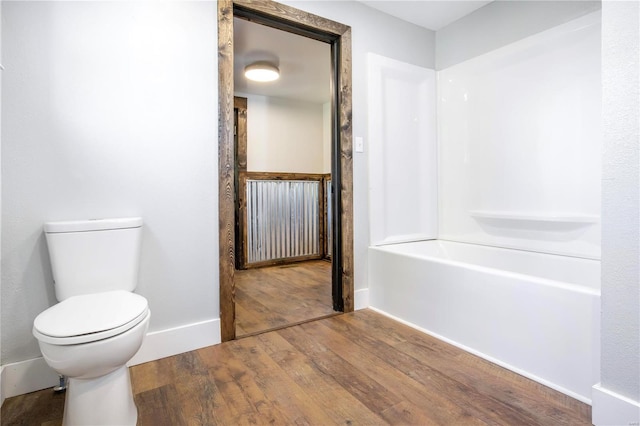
(359, 144)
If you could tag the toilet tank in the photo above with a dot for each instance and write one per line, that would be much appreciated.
(92, 256)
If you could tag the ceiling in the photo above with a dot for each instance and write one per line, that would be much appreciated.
(430, 14)
(305, 64)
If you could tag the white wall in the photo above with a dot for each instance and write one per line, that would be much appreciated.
(284, 135)
(500, 23)
(519, 143)
(372, 31)
(110, 109)
(617, 399)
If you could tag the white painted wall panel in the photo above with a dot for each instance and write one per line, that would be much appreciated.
(403, 158)
(284, 135)
(519, 144)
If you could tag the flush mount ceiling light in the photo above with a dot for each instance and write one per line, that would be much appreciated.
(262, 71)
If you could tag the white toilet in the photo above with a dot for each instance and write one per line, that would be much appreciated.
(99, 324)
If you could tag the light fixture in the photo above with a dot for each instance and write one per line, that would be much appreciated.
(262, 71)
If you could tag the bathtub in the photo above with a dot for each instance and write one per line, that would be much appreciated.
(536, 314)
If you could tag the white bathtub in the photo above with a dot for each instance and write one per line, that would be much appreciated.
(533, 313)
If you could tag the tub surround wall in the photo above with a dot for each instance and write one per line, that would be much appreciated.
(519, 144)
(403, 190)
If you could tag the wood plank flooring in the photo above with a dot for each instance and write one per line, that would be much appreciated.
(278, 296)
(358, 368)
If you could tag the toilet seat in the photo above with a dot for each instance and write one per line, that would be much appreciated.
(91, 317)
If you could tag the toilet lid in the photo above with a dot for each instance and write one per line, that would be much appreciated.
(90, 317)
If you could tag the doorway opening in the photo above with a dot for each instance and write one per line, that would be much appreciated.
(338, 36)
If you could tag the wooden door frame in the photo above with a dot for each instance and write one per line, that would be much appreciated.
(296, 21)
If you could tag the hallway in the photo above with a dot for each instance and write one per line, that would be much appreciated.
(277, 296)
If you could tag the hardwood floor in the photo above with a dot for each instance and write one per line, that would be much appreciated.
(358, 368)
(277, 296)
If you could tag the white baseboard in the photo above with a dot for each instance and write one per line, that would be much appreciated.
(610, 408)
(361, 299)
(29, 376)
(177, 340)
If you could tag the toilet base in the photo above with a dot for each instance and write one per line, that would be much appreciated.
(105, 400)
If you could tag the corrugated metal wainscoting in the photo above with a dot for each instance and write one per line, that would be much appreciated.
(283, 219)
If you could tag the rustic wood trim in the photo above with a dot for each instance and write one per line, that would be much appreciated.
(282, 176)
(240, 104)
(322, 214)
(291, 15)
(240, 118)
(242, 220)
(325, 214)
(346, 167)
(226, 171)
(293, 18)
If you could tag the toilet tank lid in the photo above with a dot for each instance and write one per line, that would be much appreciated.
(92, 225)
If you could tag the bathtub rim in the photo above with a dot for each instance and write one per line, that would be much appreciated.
(491, 270)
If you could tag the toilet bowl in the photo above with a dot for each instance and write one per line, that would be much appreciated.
(82, 339)
(99, 324)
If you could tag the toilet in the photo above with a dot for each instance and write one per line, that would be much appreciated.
(99, 323)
